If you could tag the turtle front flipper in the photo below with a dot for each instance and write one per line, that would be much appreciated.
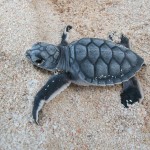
(55, 85)
(65, 36)
(131, 92)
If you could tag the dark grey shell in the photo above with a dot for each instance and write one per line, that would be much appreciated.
(101, 62)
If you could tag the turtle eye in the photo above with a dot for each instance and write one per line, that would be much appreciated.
(39, 61)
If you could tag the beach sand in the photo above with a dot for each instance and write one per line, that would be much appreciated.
(80, 118)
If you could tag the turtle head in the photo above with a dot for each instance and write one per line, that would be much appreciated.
(44, 55)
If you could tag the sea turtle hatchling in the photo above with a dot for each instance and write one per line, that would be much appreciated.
(88, 61)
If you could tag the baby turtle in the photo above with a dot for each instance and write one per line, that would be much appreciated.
(88, 61)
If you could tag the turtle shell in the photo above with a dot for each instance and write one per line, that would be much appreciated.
(102, 62)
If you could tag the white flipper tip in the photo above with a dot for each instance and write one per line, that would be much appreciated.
(37, 112)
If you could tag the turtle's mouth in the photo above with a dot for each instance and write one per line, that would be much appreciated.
(28, 54)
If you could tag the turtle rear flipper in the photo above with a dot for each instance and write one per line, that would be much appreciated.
(131, 92)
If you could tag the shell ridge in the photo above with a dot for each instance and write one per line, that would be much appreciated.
(81, 44)
(101, 53)
(128, 59)
(110, 59)
(105, 52)
(95, 66)
(114, 56)
(138, 68)
(121, 51)
(125, 58)
(95, 78)
(94, 43)
(108, 80)
(90, 60)
(137, 57)
(122, 61)
(98, 80)
(84, 59)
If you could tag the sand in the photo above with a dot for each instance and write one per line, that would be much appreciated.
(80, 118)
